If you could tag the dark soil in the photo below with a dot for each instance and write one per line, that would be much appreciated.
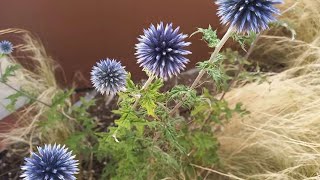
(11, 160)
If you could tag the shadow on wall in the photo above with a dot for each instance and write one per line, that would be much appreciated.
(79, 33)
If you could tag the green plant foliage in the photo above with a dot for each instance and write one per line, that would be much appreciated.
(9, 71)
(70, 125)
(54, 114)
(85, 132)
(216, 71)
(244, 39)
(153, 145)
(135, 147)
(150, 95)
(183, 92)
(209, 36)
(13, 98)
(202, 147)
(231, 65)
(212, 110)
(146, 141)
(199, 138)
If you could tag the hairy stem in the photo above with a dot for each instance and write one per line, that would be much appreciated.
(214, 55)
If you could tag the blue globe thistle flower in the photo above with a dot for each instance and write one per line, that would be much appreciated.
(161, 50)
(50, 163)
(248, 15)
(109, 77)
(6, 47)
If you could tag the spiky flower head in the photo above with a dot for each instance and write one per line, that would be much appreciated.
(108, 76)
(161, 50)
(50, 163)
(6, 47)
(248, 15)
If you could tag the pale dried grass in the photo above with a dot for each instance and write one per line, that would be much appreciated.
(39, 79)
(280, 139)
(278, 45)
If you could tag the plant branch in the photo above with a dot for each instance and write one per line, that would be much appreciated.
(214, 55)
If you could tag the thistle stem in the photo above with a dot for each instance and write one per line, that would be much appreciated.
(146, 84)
(214, 55)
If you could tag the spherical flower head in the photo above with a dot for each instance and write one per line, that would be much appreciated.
(6, 47)
(109, 77)
(50, 163)
(161, 50)
(248, 15)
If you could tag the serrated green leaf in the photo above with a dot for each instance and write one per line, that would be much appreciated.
(60, 98)
(215, 71)
(149, 104)
(179, 92)
(9, 71)
(156, 85)
(244, 39)
(209, 36)
(13, 98)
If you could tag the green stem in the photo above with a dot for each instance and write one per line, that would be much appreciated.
(214, 55)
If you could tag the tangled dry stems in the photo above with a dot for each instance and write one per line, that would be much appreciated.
(280, 139)
(37, 76)
(278, 46)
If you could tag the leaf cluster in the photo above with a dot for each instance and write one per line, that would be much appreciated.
(179, 92)
(244, 39)
(9, 71)
(153, 145)
(216, 71)
(209, 36)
